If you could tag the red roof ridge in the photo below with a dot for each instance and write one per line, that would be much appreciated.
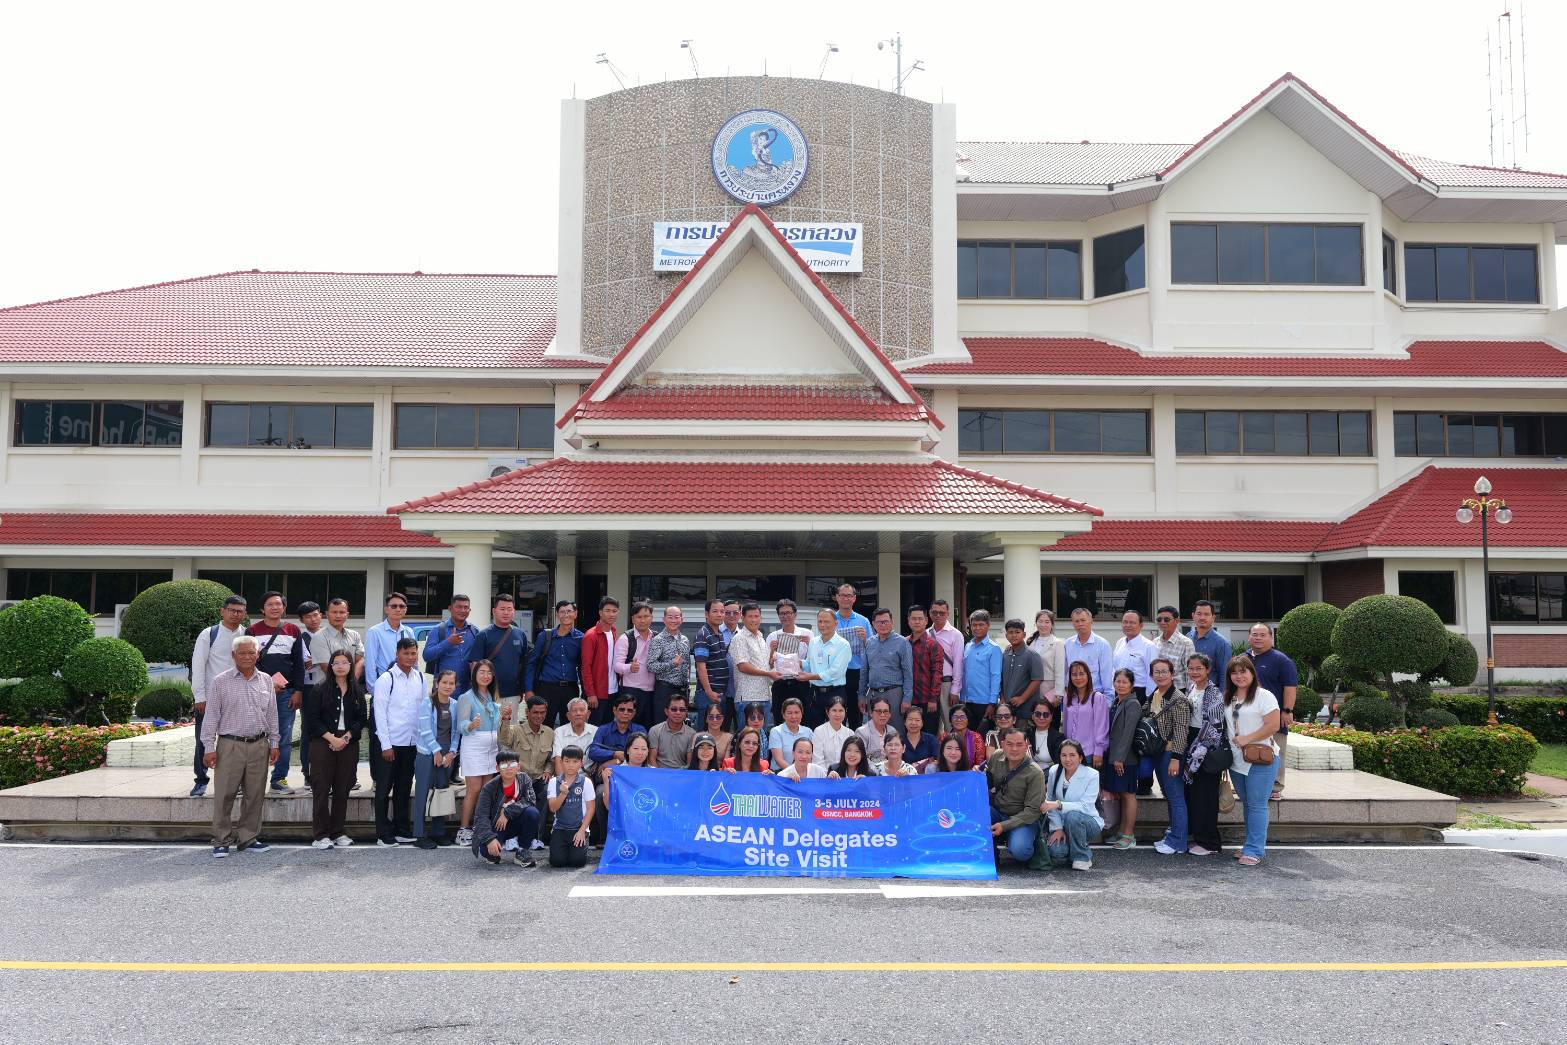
(482, 484)
(1032, 491)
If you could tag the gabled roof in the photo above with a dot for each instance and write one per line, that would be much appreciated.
(566, 486)
(751, 403)
(298, 319)
(210, 530)
(751, 229)
(1421, 511)
(1069, 356)
(1240, 536)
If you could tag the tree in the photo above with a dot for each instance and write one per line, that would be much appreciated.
(163, 621)
(1381, 636)
(1460, 665)
(36, 635)
(1306, 634)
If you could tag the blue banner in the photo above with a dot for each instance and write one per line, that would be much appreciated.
(679, 822)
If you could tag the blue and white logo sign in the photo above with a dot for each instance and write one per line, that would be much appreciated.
(759, 157)
(826, 246)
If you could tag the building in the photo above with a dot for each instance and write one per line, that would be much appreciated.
(1262, 368)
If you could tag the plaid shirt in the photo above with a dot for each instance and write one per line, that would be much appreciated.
(929, 666)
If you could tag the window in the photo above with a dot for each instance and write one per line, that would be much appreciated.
(764, 589)
(297, 426)
(1285, 433)
(1456, 272)
(1107, 597)
(1244, 597)
(1479, 435)
(1278, 253)
(1529, 598)
(1389, 264)
(49, 422)
(661, 589)
(428, 426)
(1436, 589)
(96, 591)
(986, 593)
(1046, 269)
(428, 594)
(318, 586)
(1119, 262)
(1053, 431)
(529, 591)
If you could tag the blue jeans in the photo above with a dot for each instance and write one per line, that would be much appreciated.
(1079, 827)
(1020, 840)
(1252, 788)
(285, 737)
(1174, 790)
(424, 773)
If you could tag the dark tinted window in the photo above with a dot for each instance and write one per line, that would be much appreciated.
(968, 270)
(1064, 270)
(1194, 253)
(1431, 434)
(1420, 273)
(498, 427)
(537, 428)
(1278, 432)
(354, 426)
(1290, 432)
(298, 425)
(979, 431)
(1242, 257)
(1490, 279)
(96, 591)
(1324, 433)
(1026, 431)
(1389, 264)
(97, 423)
(1264, 253)
(1053, 431)
(1482, 272)
(1404, 435)
(1077, 432)
(415, 427)
(1265, 597)
(1036, 270)
(1291, 254)
(313, 425)
(456, 427)
(422, 426)
(1523, 282)
(1190, 432)
(1107, 596)
(1028, 270)
(995, 270)
(1223, 432)
(1435, 588)
(1338, 254)
(762, 589)
(1119, 262)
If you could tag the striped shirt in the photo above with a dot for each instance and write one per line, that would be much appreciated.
(238, 706)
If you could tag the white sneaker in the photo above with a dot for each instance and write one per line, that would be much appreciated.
(1162, 849)
(405, 840)
(321, 843)
(536, 844)
(342, 841)
(465, 836)
(1082, 865)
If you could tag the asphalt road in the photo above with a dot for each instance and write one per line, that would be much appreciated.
(295, 905)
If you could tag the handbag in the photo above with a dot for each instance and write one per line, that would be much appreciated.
(1258, 754)
(1147, 742)
(1219, 758)
(443, 798)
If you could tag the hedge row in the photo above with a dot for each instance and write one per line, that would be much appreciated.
(1545, 717)
(29, 754)
(1458, 760)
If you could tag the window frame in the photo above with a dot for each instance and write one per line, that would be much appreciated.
(1452, 593)
(95, 440)
(1390, 257)
(1470, 248)
(1242, 450)
(290, 441)
(1075, 245)
(1267, 262)
(1237, 583)
(1095, 270)
(1541, 419)
(1050, 425)
(478, 429)
(1535, 576)
(143, 579)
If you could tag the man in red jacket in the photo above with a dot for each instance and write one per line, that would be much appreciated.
(599, 681)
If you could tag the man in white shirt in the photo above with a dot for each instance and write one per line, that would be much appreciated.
(575, 733)
(212, 655)
(1134, 651)
(751, 656)
(399, 694)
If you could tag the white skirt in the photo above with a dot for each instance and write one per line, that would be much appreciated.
(476, 757)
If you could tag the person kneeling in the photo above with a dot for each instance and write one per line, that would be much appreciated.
(1017, 788)
(570, 799)
(505, 819)
(1071, 804)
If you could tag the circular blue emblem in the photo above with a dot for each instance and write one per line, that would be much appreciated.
(627, 851)
(760, 157)
(645, 800)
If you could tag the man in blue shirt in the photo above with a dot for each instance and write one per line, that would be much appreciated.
(609, 743)
(1092, 650)
(981, 672)
(856, 631)
(1277, 674)
(449, 642)
(504, 645)
(710, 652)
(889, 665)
(1207, 640)
(554, 668)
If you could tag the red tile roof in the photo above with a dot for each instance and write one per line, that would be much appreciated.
(299, 319)
(210, 530)
(1285, 537)
(751, 403)
(1421, 511)
(582, 487)
(1063, 356)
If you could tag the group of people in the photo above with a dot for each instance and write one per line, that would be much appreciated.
(1068, 732)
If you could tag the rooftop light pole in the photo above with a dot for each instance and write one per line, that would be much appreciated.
(1486, 507)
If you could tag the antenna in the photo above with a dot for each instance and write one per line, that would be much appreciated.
(1507, 88)
(896, 41)
(696, 71)
(614, 70)
(832, 49)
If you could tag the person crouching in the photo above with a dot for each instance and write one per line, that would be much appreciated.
(505, 819)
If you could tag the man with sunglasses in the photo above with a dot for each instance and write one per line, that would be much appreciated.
(1172, 645)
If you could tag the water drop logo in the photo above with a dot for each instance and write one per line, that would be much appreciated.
(719, 803)
(645, 800)
(944, 818)
(627, 850)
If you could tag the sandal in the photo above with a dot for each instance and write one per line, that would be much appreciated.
(1248, 861)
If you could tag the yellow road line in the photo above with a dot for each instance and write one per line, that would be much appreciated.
(800, 967)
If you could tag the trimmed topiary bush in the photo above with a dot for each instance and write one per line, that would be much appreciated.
(1544, 717)
(171, 702)
(1384, 635)
(1456, 760)
(36, 635)
(1460, 666)
(34, 753)
(1370, 714)
(1414, 695)
(1435, 718)
(104, 668)
(1306, 633)
(33, 698)
(163, 621)
(1469, 710)
(1307, 704)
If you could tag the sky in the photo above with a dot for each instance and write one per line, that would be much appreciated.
(153, 141)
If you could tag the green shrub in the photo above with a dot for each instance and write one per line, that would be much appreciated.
(31, 754)
(1386, 635)
(116, 708)
(33, 698)
(169, 701)
(102, 668)
(1456, 760)
(36, 635)
(1413, 695)
(1545, 717)
(1460, 666)
(1307, 703)
(1371, 714)
(163, 621)
(1469, 710)
(1306, 633)
(1436, 718)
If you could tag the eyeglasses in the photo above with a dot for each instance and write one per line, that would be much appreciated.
(397, 605)
(1041, 714)
(1164, 620)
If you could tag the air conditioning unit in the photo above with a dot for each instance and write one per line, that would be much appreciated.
(501, 465)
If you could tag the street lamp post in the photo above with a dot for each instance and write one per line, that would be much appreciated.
(1486, 507)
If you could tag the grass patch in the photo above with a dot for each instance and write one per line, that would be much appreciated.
(1475, 820)
(1551, 761)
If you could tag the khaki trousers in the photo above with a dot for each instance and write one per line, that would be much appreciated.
(1282, 740)
(239, 763)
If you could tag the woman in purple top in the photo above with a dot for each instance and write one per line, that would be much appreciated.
(1085, 713)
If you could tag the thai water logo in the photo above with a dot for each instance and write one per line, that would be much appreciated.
(719, 803)
(760, 157)
(944, 818)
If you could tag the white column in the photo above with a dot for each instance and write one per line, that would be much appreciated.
(471, 554)
(1166, 589)
(618, 578)
(889, 583)
(566, 577)
(1472, 603)
(1388, 467)
(184, 569)
(945, 579)
(375, 593)
(1166, 495)
(1021, 575)
(945, 403)
(1313, 583)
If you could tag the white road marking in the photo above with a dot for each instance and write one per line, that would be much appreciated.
(901, 891)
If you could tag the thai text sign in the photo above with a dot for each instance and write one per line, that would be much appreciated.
(825, 246)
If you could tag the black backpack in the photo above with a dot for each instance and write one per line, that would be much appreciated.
(1147, 742)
